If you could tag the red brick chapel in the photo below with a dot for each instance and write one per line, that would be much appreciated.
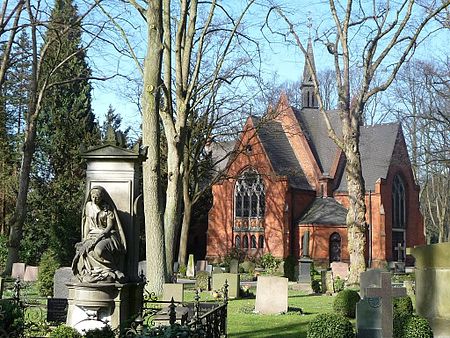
(286, 176)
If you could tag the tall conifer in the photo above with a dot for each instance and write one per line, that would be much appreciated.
(67, 124)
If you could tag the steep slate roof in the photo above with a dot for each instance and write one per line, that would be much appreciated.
(280, 153)
(324, 211)
(221, 152)
(323, 148)
(376, 147)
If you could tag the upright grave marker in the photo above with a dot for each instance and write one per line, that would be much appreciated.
(271, 295)
(18, 270)
(190, 271)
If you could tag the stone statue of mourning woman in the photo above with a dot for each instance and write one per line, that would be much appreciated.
(99, 256)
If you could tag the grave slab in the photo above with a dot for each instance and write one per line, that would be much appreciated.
(340, 269)
(369, 278)
(31, 274)
(62, 276)
(233, 280)
(201, 265)
(327, 282)
(217, 269)
(234, 266)
(368, 318)
(271, 295)
(190, 270)
(57, 310)
(18, 270)
(175, 291)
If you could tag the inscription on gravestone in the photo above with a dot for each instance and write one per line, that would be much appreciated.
(57, 310)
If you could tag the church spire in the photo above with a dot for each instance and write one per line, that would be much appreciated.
(309, 99)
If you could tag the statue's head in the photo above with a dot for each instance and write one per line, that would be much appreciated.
(97, 195)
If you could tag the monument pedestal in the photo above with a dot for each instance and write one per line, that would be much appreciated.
(304, 270)
(95, 305)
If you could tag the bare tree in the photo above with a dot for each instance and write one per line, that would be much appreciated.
(392, 32)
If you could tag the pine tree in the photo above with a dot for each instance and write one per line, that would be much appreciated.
(67, 124)
(113, 122)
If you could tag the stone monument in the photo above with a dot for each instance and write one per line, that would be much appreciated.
(106, 288)
(304, 267)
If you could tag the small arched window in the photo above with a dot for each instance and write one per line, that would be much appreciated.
(253, 242)
(245, 242)
(398, 204)
(335, 247)
(249, 195)
(261, 241)
(237, 241)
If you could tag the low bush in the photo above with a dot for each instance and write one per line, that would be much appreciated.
(402, 306)
(64, 331)
(47, 268)
(202, 281)
(411, 326)
(11, 318)
(104, 332)
(234, 253)
(248, 266)
(289, 268)
(315, 286)
(182, 270)
(330, 325)
(269, 262)
(345, 303)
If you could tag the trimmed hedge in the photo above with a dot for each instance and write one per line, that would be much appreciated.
(64, 331)
(330, 325)
(345, 303)
(289, 267)
(411, 326)
(402, 305)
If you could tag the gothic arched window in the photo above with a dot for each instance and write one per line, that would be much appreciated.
(398, 219)
(261, 241)
(245, 242)
(237, 241)
(335, 247)
(249, 195)
(253, 242)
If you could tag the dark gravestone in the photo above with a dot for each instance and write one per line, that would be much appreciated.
(57, 310)
(234, 266)
(304, 270)
(368, 318)
(61, 278)
(2, 285)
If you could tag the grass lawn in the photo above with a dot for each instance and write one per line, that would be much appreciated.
(243, 323)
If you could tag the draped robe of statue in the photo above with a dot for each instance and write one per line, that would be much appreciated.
(99, 257)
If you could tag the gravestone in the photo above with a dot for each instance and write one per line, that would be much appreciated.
(2, 285)
(400, 252)
(217, 269)
(271, 295)
(175, 291)
(209, 269)
(233, 280)
(57, 310)
(368, 318)
(234, 266)
(18, 270)
(369, 278)
(339, 269)
(385, 292)
(304, 270)
(201, 265)
(327, 281)
(60, 279)
(190, 271)
(31, 274)
(176, 267)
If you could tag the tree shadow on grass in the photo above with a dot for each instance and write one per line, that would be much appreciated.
(297, 330)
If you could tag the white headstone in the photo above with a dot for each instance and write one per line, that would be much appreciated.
(190, 271)
(339, 269)
(18, 270)
(271, 295)
(31, 274)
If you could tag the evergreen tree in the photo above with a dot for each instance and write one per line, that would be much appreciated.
(113, 122)
(67, 124)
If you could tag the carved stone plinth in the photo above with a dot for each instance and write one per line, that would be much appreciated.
(95, 305)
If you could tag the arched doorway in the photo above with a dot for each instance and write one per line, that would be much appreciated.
(335, 247)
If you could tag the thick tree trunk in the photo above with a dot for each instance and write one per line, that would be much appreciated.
(172, 210)
(356, 216)
(18, 218)
(154, 232)
(187, 202)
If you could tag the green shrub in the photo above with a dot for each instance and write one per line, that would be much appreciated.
(104, 332)
(315, 286)
(64, 331)
(289, 268)
(338, 284)
(411, 326)
(345, 303)
(269, 262)
(402, 305)
(330, 325)
(202, 280)
(47, 268)
(234, 253)
(248, 266)
(182, 270)
(11, 318)
(3, 251)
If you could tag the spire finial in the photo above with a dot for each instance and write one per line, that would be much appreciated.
(309, 24)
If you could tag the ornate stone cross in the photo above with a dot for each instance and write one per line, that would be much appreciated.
(386, 292)
(400, 250)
